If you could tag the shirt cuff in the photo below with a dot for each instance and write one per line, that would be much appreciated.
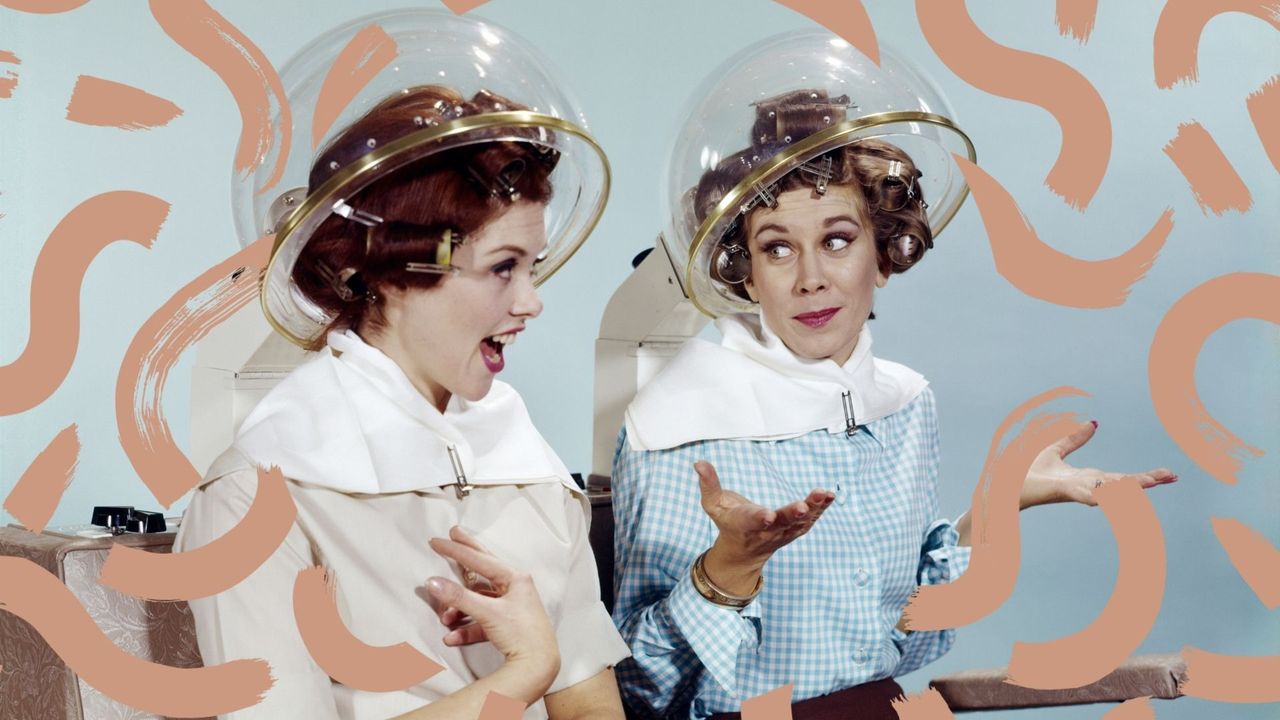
(714, 633)
(588, 643)
(942, 559)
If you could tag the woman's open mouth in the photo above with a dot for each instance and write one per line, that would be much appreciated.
(491, 351)
(818, 318)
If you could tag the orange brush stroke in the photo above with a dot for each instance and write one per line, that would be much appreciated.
(35, 497)
(848, 19)
(460, 7)
(246, 72)
(1076, 18)
(1256, 559)
(342, 655)
(1047, 83)
(1177, 36)
(371, 50)
(54, 329)
(95, 101)
(1090, 654)
(182, 321)
(214, 567)
(1045, 273)
(1264, 111)
(500, 707)
(1215, 183)
(1230, 678)
(43, 7)
(993, 566)
(1171, 365)
(37, 596)
(9, 80)
(1134, 709)
(927, 705)
(773, 705)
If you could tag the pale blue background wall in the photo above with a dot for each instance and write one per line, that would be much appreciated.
(985, 346)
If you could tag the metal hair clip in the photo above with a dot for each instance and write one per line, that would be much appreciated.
(346, 282)
(341, 208)
(823, 173)
(763, 195)
(444, 255)
(502, 183)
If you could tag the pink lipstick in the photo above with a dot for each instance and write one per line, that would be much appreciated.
(817, 318)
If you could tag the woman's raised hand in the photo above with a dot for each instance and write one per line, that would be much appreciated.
(1051, 480)
(508, 612)
(749, 533)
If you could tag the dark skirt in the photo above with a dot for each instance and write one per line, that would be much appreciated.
(869, 701)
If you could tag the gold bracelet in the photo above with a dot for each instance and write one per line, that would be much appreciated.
(707, 589)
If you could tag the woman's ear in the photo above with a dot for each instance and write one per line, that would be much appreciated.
(750, 287)
(881, 279)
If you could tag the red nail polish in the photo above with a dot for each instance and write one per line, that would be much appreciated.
(1095, 423)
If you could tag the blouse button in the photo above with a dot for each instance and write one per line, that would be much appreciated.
(861, 577)
(860, 655)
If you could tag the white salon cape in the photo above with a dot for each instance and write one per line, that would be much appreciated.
(369, 469)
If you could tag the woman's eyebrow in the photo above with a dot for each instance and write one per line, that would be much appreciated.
(771, 226)
(508, 248)
(838, 219)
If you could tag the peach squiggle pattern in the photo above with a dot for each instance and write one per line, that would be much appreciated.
(1045, 273)
(1254, 557)
(1076, 18)
(54, 328)
(344, 656)
(247, 73)
(182, 321)
(1214, 182)
(847, 18)
(216, 566)
(1230, 678)
(9, 80)
(96, 101)
(927, 705)
(36, 495)
(993, 566)
(43, 7)
(371, 50)
(1171, 365)
(500, 707)
(773, 705)
(1134, 709)
(461, 7)
(1058, 88)
(1130, 613)
(37, 596)
(1264, 112)
(1177, 35)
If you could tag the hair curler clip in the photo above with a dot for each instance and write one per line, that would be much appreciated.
(443, 264)
(503, 182)
(346, 282)
(342, 209)
(821, 172)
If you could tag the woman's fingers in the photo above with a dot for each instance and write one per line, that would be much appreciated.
(457, 534)
(472, 559)
(466, 635)
(450, 594)
(1075, 440)
(709, 484)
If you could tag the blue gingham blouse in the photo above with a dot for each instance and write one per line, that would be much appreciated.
(825, 618)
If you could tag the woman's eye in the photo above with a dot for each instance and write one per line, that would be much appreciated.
(778, 250)
(837, 242)
(504, 269)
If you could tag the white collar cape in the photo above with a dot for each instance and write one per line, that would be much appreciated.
(354, 423)
(751, 386)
